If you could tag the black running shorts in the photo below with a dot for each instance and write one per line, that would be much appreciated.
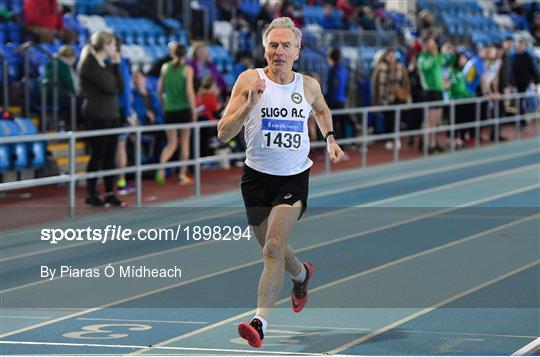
(433, 96)
(262, 191)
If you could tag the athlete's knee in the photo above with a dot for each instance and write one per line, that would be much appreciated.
(273, 248)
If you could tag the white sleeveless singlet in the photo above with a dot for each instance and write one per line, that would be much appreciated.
(276, 131)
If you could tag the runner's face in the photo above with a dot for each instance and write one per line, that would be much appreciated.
(281, 50)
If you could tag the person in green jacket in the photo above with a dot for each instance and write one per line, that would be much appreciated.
(67, 79)
(457, 89)
(177, 95)
(430, 63)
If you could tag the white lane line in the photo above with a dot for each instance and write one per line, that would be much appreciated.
(402, 331)
(225, 271)
(463, 334)
(531, 347)
(371, 183)
(26, 317)
(454, 185)
(354, 276)
(156, 321)
(431, 308)
(251, 351)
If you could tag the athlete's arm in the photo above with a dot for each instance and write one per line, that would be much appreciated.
(323, 117)
(188, 73)
(245, 95)
(160, 83)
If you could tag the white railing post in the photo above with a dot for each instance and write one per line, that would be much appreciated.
(197, 151)
(452, 127)
(397, 139)
(138, 173)
(477, 122)
(425, 143)
(72, 173)
(496, 128)
(365, 115)
(44, 105)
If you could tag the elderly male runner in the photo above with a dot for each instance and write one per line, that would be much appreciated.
(273, 105)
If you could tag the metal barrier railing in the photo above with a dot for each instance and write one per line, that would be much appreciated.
(72, 177)
(45, 83)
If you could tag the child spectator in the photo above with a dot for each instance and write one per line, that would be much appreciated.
(207, 98)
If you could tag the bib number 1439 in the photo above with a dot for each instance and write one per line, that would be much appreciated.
(282, 140)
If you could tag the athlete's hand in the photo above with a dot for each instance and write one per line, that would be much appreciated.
(255, 91)
(334, 152)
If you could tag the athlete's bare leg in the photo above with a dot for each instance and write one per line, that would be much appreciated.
(281, 222)
(292, 264)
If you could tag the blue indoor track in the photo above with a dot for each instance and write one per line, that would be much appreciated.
(438, 256)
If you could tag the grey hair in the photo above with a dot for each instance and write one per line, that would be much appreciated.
(282, 23)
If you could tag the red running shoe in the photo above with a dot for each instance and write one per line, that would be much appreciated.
(252, 332)
(299, 292)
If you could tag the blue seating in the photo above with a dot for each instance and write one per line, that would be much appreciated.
(250, 7)
(87, 6)
(18, 152)
(36, 148)
(14, 32)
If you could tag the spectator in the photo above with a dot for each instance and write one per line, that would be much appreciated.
(243, 63)
(506, 75)
(475, 72)
(347, 9)
(148, 112)
(68, 81)
(476, 77)
(328, 21)
(44, 20)
(203, 66)
(524, 71)
(413, 117)
(390, 86)
(175, 89)
(227, 9)
(101, 83)
(127, 118)
(426, 23)
(458, 90)
(336, 95)
(145, 103)
(430, 63)
(208, 99)
(366, 19)
(155, 70)
(266, 14)
(287, 10)
(535, 29)
(493, 65)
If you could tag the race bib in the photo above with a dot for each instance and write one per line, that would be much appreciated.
(282, 134)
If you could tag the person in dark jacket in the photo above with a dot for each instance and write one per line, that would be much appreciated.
(100, 84)
(155, 70)
(524, 70)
